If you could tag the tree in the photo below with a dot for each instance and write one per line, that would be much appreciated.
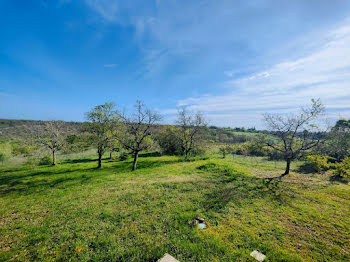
(338, 141)
(293, 135)
(114, 146)
(190, 128)
(53, 135)
(224, 150)
(137, 129)
(103, 123)
(169, 141)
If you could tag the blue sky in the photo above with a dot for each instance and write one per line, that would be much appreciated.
(232, 60)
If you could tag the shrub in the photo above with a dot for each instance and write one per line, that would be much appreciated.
(169, 141)
(318, 163)
(32, 161)
(21, 149)
(224, 150)
(241, 150)
(2, 157)
(5, 150)
(342, 169)
(198, 151)
(123, 156)
(45, 160)
(256, 149)
(275, 155)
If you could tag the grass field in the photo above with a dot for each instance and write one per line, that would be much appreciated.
(75, 212)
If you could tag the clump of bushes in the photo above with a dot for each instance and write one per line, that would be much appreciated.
(226, 149)
(198, 152)
(2, 157)
(342, 169)
(318, 163)
(123, 156)
(252, 148)
(169, 141)
(5, 151)
(322, 163)
(45, 160)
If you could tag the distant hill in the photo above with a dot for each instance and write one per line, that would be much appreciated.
(10, 128)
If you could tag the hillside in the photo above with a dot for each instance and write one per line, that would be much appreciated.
(10, 128)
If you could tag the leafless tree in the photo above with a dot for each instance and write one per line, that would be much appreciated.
(52, 134)
(190, 125)
(137, 129)
(295, 134)
(103, 122)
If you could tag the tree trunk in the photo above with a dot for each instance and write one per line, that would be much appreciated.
(186, 154)
(53, 157)
(110, 155)
(136, 156)
(287, 168)
(99, 160)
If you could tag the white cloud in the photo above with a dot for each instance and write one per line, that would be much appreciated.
(107, 9)
(324, 73)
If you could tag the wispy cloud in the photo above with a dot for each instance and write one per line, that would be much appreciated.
(324, 73)
(107, 9)
(237, 56)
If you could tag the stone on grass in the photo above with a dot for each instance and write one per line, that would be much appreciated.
(258, 256)
(167, 258)
(199, 222)
(201, 226)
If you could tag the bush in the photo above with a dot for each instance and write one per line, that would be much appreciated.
(2, 157)
(241, 150)
(256, 149)
(5, 151)
(275, 155)
(32, 161)
(198, 151)
(44, 161)
(169, 141)
(226, 149)
(318, 163)
(123, 156)
(342, 169)
(21, 149)
(251, 149)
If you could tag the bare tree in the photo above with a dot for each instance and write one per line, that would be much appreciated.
(190, 127)
(135, 134)
(52, 135)
(293, 135)
(103, 122)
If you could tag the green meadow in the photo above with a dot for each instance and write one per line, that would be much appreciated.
(75, 212)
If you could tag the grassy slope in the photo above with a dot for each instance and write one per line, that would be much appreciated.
(73, 211)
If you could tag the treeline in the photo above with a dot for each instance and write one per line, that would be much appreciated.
(109, 129)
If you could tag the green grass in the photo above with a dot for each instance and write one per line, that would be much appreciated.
(78, 213)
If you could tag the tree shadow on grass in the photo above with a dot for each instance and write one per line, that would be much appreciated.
(78, 161)
(150, 154)
(336, 178)
(230, 186)
(243, 191)
(36, 180)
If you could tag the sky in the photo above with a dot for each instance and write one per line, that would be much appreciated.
(232, 60)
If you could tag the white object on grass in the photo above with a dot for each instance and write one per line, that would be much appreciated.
(167, 258)
(258, 256)
(201, 226)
